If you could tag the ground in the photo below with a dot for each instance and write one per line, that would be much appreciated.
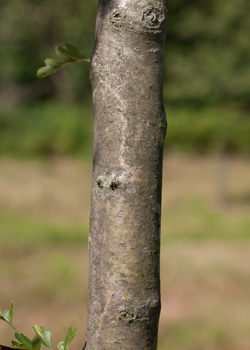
(205, 265)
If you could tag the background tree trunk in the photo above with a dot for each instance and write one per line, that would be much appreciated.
(129, 132)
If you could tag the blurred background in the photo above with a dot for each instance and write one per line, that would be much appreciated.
(45, 172)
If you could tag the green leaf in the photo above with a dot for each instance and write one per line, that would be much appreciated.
(63, 54)
(23, 339)
(72, 52)
(75, 52)
(45, 336)
(7, 316)
(11, 310)
(69, 336)
(44, 71)
(14, 343)
(36, 343)
(67, 55)
(51, 62)
(61, 346)
(37, 330)
(21, 346)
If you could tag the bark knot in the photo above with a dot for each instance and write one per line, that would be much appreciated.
(126, 316)
(153, 17)
(118, 17)
(111, 181)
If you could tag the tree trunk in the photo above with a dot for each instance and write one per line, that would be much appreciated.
(129, 132)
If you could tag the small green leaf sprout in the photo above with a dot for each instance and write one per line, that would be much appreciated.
(66, 54)
(7, 316)
(42, 335)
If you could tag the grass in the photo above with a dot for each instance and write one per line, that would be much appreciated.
(20, 230)
(205, 267)
(205, 296)
(196, 336)
(203, 224)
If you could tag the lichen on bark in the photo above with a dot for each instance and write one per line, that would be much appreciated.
(129, 131)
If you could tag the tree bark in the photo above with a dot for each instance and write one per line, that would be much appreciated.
(129, 131)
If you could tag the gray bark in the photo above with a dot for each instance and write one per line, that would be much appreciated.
(129, 132)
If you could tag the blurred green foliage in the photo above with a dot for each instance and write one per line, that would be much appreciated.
(208, 51)
(207, 130)
(29, 31)
(47, 129)
(207, 64)
(52, 128)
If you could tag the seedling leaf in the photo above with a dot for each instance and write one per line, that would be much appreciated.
(45, 336)
(36, 343)
(21, 346)
(69, 336)
(23, 339)
(61, 346)
(11, 310)
(14, 344)
(7, 316)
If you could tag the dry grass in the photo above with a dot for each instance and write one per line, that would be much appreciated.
(205, 261)
(58, 190)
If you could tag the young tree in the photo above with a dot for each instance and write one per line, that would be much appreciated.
(129, 131)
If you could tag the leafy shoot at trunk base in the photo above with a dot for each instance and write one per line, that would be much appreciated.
(42, 335)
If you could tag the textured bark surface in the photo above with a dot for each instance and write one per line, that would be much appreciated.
(129, 131)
